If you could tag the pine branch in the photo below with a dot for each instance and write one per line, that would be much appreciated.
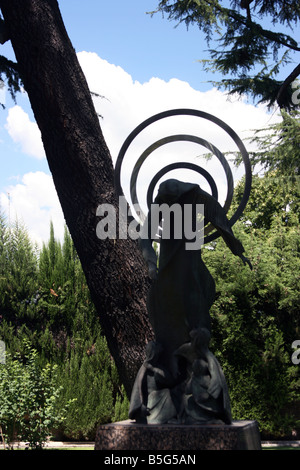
(287, 82)
(4, 36)
(12, 74)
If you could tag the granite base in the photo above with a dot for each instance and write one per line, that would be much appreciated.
(128, 435)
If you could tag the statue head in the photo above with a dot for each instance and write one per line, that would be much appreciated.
(172, 189)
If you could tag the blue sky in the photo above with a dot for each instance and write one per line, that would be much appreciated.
(144, 45)
(142, 65)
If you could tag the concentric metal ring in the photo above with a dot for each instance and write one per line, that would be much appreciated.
(151, 148)
(177, 165)
(174, 166)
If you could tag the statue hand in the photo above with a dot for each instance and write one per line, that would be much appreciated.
(246, 261)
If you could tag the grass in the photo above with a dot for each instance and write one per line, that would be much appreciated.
(281, 448)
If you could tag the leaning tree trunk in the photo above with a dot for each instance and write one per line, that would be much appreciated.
(82, 171)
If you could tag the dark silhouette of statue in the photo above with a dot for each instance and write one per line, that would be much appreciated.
(181, 381)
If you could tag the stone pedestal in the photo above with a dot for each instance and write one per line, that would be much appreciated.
(127, 435)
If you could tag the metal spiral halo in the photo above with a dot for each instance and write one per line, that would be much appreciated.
(186, 165)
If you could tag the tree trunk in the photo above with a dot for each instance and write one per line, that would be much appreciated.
(82, 171)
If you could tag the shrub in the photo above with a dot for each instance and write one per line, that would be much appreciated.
(28, 397)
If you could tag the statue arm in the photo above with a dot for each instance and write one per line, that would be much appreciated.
(214, 213)
(233, 243)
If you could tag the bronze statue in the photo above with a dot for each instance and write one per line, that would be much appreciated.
(181, 381)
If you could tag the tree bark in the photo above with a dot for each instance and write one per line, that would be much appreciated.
(82, 171)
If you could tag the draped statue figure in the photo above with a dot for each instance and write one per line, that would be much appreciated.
(181, 381)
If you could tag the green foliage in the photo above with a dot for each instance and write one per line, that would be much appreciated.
(256, 313)
(9, 73)
(121, 406)
(18, 267)
(45, 301)
(254, 56)
(255, 320)
(8, 69)
(28, 400)
(89, 373)
(279, 148)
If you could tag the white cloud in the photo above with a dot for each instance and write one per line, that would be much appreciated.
(25, 132)
(34, 202)
(126, 104)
